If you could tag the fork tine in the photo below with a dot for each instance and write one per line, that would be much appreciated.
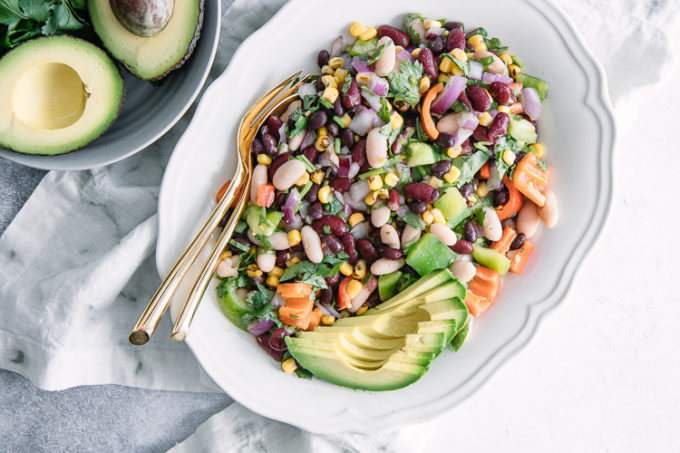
(252, 131)
(266, 113)
(268, 96)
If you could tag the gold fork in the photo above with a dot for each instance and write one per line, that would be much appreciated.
(248, 127)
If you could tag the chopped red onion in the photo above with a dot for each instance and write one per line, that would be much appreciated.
(353, 170)
(467, 120)
(346, 209)
(494, 181)
(363, 122)
(336, 46)
(329, 309)
(364, 294)
(378, 86)
(373, 100)
(296, 225)
(402, 211)
(461, 135)
(308, 141)
(343, 166)
(433, 32)
(339, 196)
(446, 98)
(475, 70)
(493, 113)
(360, 65)
(358, 191)
(277, 300)
(489, 77)
(531, 102)
(404, 55)
(306, 89)
(260, 326)
(288, 208)
(360, 230)
(282, 132)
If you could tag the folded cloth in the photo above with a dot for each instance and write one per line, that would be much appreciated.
(77, 267)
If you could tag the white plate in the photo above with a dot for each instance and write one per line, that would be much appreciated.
(577, 126)
(149, 109)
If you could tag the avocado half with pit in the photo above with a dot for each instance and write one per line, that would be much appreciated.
(57, 94)
(148, 56)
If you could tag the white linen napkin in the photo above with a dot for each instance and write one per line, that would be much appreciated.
(77, 267)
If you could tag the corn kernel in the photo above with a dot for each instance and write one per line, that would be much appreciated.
(264, 159)
(508, 157)
(330, 94)
(353, 288)
(302, 180)
(475, 39)
(346, 119)
(435, 182)
(226, 254)
(362, 310)
(329, 81)
(454, 151)
(253, 271)
(317, 176)
(457, 71)
(276, 272)
(272, 281)
(327, 320)
(346, 269)
(431, 23)
(481, 46)
(355, 218)
(322, 131)
(289, 366)
(325, 69)
(322, 143)
(336, 62)
(428, 218)
(323, 194)
(356, 29)
(415, 52)
(391, 179)
(294, 237)
(507, 59)
(539, 150)
(438, 217)
(423, 85)
(452, 175)
(375, 182)
(503, 109)
(359, 270)
(446, 65)
(482, 191)
(370, 199)
(369, 33)
(513, 69)
(293, 261)
(443, 78)
(485, 119)
(363, 78)
(396, 120)
(382, 194)
(340, 75)
(459, 54)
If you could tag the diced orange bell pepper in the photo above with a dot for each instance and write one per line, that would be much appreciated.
(294, 317)
(300, 303)
(503, 244)
(515, 201)
(530, 179)
(292, 290)
(484, 172)
(425, 115)
(482, 290)
(520, 258)
(265, 195)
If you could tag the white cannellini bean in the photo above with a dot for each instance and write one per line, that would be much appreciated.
(549, 213)
(390, 237)
(409, 235)
(266, 261)
(295, 141)
(384, 266)
(293, 106)
(288, 173)
(279, 241)
(259, 177)
(386, 62)
(497, 67)
(493, 230)
(448, 123)
(376, 148)
(228, 267)
(527, 219)
(252, 238)
(311, 242)
(380, 216)
(463, 270)
(444, 233)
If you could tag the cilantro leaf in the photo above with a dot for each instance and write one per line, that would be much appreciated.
(414, 220)
(384, 112)
(347, 84)
(377, 53)
(404, 83)
(299, 120)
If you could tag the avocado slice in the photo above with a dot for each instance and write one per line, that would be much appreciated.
(150, 57)
(422, 285)
(356, 335)
(491, 259)
(429, 254)
(407, 306)
(57, 94)
(402, 355)
(232, 305)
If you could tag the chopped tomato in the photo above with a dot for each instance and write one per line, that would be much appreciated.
(530, 179)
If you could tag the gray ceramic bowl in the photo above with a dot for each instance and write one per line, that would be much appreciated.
(148, 112)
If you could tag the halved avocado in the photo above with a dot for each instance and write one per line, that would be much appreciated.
(150, 57)
(57, 94)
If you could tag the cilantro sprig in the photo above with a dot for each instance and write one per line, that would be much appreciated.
(404, 83)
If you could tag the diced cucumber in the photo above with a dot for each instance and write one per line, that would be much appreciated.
(451, 203)
(534, 82)
(387, 285)
(491, 259)
(360, 47)
(420, 153)
(429, 254)
(522, 131)
(261, 222)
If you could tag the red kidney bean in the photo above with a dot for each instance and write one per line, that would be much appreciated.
(417, 207)
(470, 232)
(481, 134)
(280, 160)
(374, 235)
(367, 250)
(455, 40)
(274, 123)
(338, 109)
(393, 200)
(340, 183)
(478, 98)
(270, 144)
(317, 119)
(398, 144)
(518, 242)
(500, 197)
(315, 210)
(336, 224)
(391, 253)
(440, 168)
(331, 243)
(350, 247)
(297, 249)
(421, 192)
(520, 156)
(463, 99)
(280, 199)
(257, 147)
(398, 37)
(359, 150)
(471, 32)
(277, 339)
(353, 96)
(462, 247)
(501, 93)
(319, 85)
(452, 25)
(498, 127)
(426, 58)
(445, 140)
(437, 45)
(263, 341)
(312, 193)
(310, 153)
(333, 129)
(467, 189)
(326, 294)
(467, 147)
(323, 57)
(373, 300)
(281, 258)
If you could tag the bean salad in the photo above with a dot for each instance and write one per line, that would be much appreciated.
(414, 148)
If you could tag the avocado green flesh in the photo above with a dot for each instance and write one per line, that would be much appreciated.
(57, 94)
(150, 57)
(423, 285)
(429, 254)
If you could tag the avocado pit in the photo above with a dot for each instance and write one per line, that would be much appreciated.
(143, 17)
